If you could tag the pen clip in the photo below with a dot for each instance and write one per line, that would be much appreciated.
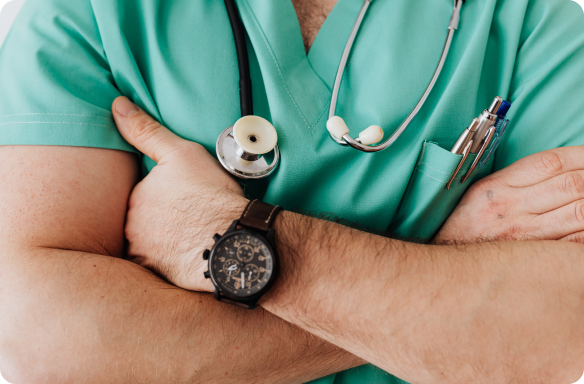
(465, 154)
(486, 142)
(499, 133)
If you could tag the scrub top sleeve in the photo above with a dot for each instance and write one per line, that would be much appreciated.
(56, 87)
(547, 87)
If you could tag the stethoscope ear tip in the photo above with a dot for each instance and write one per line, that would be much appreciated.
(372, 135)
(338, 129)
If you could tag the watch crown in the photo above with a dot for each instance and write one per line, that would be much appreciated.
(206, 254)
(207, 275)
(216, 237)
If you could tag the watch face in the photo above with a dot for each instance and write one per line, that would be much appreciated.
(242, 264)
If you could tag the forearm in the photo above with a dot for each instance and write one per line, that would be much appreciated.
(424, 313)
(78, 317)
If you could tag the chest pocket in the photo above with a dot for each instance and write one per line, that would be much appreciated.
(427, 203)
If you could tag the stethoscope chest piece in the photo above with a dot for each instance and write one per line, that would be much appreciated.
(241, 148)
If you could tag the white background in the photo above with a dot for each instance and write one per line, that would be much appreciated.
(7, 15)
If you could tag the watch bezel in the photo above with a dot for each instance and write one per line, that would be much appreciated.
(275, 261)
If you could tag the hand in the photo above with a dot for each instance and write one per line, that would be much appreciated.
(540, 197)
(175, 211)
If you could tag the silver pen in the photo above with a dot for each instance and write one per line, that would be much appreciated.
(476, 139)
(463, 146)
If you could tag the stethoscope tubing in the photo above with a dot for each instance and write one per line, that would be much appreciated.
(245, 90)
(347, 140)
(245, 84)
(345, 58)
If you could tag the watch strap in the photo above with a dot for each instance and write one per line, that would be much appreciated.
(244, 304)
(259, 215)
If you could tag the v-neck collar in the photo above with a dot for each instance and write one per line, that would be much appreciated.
(327, 49)
(274, 30)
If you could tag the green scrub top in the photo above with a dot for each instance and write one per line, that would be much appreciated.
(64, 62)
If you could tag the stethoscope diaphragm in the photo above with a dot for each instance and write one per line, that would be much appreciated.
(242, 148)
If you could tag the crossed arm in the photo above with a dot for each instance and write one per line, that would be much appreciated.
(449, 314)
(74, 312)
(486, 313)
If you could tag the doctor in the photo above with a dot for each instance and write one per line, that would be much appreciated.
(512, 309)
(424, 313)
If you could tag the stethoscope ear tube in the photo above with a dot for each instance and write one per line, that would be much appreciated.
(346, 139)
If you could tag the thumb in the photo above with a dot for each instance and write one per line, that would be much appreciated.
(142, 131)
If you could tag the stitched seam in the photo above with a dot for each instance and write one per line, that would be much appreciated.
(276, 64)
(422, 154)
(432, 177)
(316, 97)
(57, 122)
(445, 181)
(248, 207)
(437, 170)
(55, 114)
(321, 115)
(271, 213)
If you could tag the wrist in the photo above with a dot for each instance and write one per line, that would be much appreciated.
(222, 213)
(296, 241)
(243, 263)
(231, 210)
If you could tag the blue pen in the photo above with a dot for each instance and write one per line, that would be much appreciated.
(485, 130)
(500, 128)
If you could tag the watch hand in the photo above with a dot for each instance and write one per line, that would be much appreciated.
(242, 279)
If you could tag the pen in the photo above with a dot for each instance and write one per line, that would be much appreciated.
(490, 119)
(463, 146)
(500, 127)
(479, 135)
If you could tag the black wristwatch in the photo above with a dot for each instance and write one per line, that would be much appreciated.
(243, 264)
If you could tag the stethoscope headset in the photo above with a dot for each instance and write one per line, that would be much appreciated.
(242, 148)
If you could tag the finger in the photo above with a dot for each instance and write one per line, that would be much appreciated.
(555, 193)
(542, 166)
(562, 222)
(575, 238)
(143, 132)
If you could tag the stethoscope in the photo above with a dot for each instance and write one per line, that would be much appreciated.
(242, 148)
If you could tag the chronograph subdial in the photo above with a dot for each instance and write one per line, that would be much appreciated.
(232, 267)
(251, 272)
(245, 252)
